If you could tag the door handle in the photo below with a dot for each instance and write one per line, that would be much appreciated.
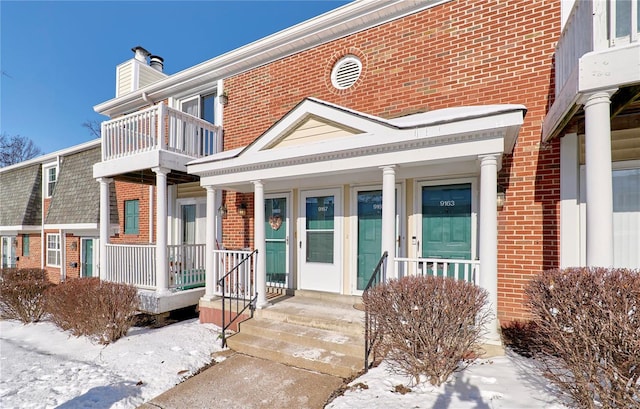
(300, 243)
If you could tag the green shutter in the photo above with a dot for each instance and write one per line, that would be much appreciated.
(25, 245)
(131, 213)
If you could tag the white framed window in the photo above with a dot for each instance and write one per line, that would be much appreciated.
(53, 249)
(50, 176)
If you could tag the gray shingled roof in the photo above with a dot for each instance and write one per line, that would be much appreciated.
(76, 198)
(21, 196)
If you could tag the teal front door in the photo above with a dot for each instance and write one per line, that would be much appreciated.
(369, 234)
(87, 257)
(276, 240)
(446, 222)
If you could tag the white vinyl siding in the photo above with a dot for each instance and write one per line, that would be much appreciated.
(626, 218)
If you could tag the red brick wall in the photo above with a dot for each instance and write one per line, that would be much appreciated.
(131, 191)
(462, 52)
(33, 259)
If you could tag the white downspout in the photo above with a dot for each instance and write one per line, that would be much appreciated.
(151, 206)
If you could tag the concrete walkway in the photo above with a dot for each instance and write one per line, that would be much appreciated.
(245, 382)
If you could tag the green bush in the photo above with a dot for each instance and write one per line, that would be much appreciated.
(588, 324)
(22, 294)
(428, 325)
(98, 309)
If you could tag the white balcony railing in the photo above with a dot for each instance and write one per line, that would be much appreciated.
(131, 264)
(594, 25)
(240, 284)
(159, 128)
(467, 270)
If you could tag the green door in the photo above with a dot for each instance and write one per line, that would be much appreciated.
(369, 234)
(446, 222)
(276, 240)
(87, 258)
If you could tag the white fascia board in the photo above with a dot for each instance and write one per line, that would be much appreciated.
(445, 133)
(141, 161)
(309, 107)
(563, 103)
(72, 226)
(341, 22)
(596, 71)
(49, 157)
(610, 68)
(13, 230)
(424, 155)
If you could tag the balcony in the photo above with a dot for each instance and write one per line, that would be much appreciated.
(598, 49)
(159, 136)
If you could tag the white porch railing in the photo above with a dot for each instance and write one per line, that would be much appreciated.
(467, 270)
(159, 128)
(594, 25)
(242, 284)
(187, 266)
(135, 264)
(131, 264)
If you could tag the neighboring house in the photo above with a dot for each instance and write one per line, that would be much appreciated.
(49, 213)
(447, 133)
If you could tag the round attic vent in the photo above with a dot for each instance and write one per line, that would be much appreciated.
(346, 72)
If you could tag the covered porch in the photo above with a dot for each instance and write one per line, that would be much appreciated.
(334, 189)
(150, 148)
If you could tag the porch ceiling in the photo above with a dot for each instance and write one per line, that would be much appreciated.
(449, 140)
(148, 177)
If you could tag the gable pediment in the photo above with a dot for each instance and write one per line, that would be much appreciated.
(310, 129)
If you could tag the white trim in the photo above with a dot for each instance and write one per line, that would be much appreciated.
(19, 228)
(72, 226)
(341, 22)
(416, 250)
(47, 249)
(52, 156)
(46, 167)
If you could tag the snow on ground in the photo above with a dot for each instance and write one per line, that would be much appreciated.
(507, 382)
(43, 367)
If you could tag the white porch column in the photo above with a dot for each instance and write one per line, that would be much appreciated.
(162, 267)
(599, 180)
(211, 273)
(105, 221)
(259, 243)
(489, 240)
(389, 218)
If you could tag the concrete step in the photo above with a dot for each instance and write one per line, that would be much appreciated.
(294, 354)
(343, 343)
(311, 312)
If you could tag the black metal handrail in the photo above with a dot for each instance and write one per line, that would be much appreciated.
(241, 303)
(370, 328)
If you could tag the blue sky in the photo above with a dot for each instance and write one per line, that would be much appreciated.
(58, 58)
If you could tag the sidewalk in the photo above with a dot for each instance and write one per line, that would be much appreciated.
(245, 382)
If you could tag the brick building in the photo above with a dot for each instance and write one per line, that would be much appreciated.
(459, 137)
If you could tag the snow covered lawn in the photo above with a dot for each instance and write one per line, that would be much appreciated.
(43, 367)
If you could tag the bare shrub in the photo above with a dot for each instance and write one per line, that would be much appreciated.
(589, 320)
(22, 294)
(98, 309)
(522, 337)
(428, 325)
